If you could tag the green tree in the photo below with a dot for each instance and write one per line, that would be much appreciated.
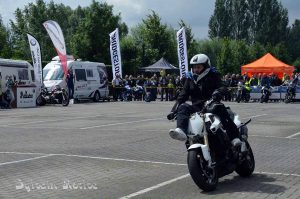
(220, 21)
(154, 40)
(272, 23)
(263, 21)
(240, 20)
(91, 39)
(5, 49)
(129, 54)
(85, 30)
(293, 42)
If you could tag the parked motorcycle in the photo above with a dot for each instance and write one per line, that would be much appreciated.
(291, 94)
(265, 94)
(138, 92)
(210, 152)
(57, 96)
(127, 93)
(242, 93)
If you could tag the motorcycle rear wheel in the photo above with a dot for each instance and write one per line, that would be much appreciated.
(202, 181)
(40, 101)
(288, 99)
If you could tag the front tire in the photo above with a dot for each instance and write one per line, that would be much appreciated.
(65, 99)
(246, 168)
(205, 183)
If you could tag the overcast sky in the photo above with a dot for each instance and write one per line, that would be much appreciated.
(196, 13)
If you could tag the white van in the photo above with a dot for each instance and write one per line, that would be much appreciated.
(90, 78)
(20, 71)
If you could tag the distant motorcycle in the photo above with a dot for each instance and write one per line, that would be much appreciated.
(265, 94)
(242, 93)
(127, 93)
(291, 94)
(57, 96)
(138, 92)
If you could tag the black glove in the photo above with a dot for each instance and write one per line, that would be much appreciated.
(171, 116)
(217, 96)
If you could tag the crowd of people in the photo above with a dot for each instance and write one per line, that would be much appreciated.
(232, 81)
(167, 87)
(256, 80)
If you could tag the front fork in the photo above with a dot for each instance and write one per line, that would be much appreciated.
(204, 148)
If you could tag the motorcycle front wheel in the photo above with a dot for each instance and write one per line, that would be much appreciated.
(204, 177)
(246, 168)
(65, 99)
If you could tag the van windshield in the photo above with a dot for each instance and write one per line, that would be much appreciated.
(55, 74)
(45, 72)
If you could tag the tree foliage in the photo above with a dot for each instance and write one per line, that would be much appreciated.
(155, 40)
(5, 48)
(263, 21)
(85, 30)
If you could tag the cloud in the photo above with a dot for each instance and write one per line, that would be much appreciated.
(195, 13)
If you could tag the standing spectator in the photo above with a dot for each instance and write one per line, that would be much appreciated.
(131, 82)
(153, 88)
(117, 86)
(234, 81)
(70, 83)
(254, 80)
(164, 90)
(9, 95)
(265, 81)
(171, 88)
(227, 82)
(286, 81)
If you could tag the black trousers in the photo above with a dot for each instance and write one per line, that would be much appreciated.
(164, 90)
(71, 92)
(185, 110)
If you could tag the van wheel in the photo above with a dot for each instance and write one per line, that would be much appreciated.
(96, 97)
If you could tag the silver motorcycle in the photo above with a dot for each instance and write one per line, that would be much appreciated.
(210, 152)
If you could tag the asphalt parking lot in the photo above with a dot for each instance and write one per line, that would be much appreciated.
(123, 150)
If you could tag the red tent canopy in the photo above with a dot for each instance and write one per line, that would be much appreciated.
(268, 64)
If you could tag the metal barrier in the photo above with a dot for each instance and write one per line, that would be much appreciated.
(278, 92)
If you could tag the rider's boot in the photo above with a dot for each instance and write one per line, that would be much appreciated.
(178, 134)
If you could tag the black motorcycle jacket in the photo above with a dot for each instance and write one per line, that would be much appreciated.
(201, 89)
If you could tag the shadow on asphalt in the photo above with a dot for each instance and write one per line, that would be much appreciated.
(257, 183)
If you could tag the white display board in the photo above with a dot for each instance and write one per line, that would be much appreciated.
(26, 97)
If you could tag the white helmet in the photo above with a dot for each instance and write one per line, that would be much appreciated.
(200, 59)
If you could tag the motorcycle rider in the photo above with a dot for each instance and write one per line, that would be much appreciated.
(202, 86)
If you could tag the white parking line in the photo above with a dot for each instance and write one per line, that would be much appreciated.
(99, 158)
(280, 174)
(155, 187)
(120, 123)
(63, 119)
(185, 176)
(294, 135)
(267, 136)
(254, 116)
(25, 160)
(116, 159)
